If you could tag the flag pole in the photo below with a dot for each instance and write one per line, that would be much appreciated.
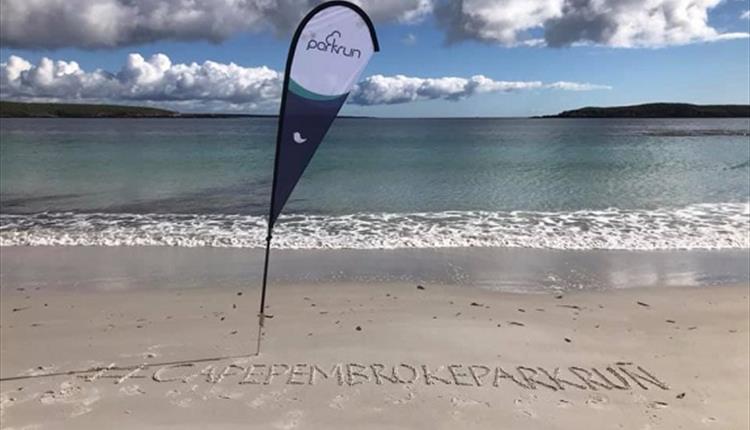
(271, 218)
(261, 312)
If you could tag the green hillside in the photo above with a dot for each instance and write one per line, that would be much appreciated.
(660, 110)
(70, 110)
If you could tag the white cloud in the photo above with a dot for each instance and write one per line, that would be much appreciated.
(745, 15)
(576, 86)
(50, 24)
(617, 23)
(216, 86)
(379, 89)
(155, 79)
(500, 21)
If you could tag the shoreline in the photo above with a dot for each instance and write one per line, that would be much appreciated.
(496, 269)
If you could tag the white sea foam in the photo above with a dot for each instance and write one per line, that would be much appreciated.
(701, 226)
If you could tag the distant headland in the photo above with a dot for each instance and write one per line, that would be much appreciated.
(659, 110)
(71, 110)
(75, 110)
(79, 110)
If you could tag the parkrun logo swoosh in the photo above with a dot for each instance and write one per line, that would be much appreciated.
(298, 138)
(329, 45)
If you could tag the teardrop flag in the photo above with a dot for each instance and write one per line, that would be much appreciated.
(329, 50)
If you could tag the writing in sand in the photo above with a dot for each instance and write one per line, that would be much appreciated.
(619, 376)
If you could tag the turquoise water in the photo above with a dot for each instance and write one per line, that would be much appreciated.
(380, 183)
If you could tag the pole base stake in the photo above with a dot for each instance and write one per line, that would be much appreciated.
(262, 312)
(261, 319)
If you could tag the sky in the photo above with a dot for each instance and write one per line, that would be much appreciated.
(438, 58)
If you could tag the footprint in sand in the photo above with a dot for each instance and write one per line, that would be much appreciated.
(84, 406)
(132, 390)
(67, 390)
(459, 402)
(216, 392)
(231, 396)
(13, 398)
(274, 397)
(524, 408)
(71, 394)
(597, 401)
(183, 403)
(6, 401)
(175, 399)
(337, 402)
(39, 370)
(290, 421)
(402, 400)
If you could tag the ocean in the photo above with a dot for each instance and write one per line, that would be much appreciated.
(584, 184)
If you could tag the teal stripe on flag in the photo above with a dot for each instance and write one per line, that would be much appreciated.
(303, 92)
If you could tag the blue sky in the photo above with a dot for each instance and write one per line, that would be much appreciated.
(699, 70)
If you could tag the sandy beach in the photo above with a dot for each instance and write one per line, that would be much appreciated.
(363, 354)
(520, 215)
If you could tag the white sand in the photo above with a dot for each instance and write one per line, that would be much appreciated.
(693, 340)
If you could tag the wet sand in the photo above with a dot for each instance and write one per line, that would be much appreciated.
(497, 269)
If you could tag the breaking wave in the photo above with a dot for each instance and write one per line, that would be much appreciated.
(700, 226)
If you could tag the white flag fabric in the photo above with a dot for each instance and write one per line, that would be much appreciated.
(330, 49)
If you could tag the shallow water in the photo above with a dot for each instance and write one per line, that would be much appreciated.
(422, 183)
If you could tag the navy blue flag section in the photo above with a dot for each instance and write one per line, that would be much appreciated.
(330, 49)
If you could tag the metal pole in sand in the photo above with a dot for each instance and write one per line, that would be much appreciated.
(261, 312)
